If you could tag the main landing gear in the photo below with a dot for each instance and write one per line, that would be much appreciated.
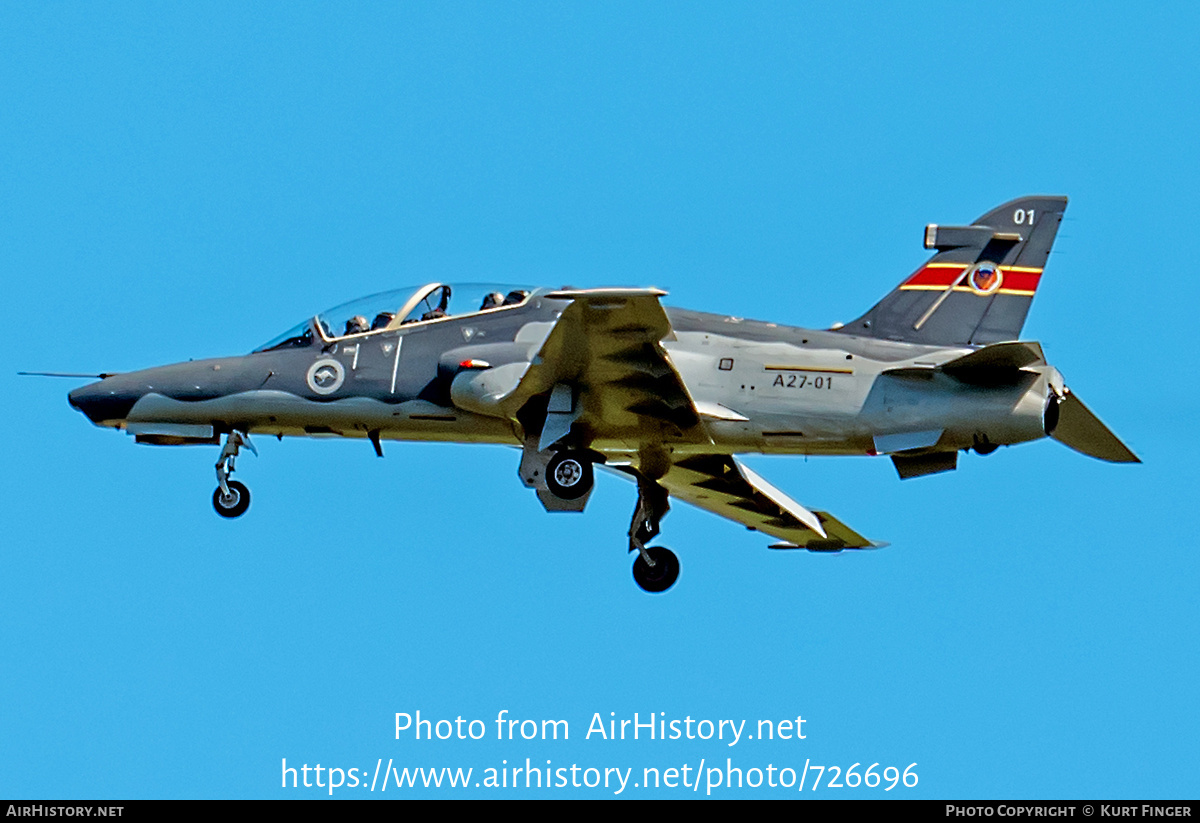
(569, 475)
(656, 568)
(231, 498)
(231, 503)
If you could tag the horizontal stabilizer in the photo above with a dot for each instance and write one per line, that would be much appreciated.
(999, 356)
(999, 363)
(1078, 428)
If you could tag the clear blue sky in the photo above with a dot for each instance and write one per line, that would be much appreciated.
(188, 180)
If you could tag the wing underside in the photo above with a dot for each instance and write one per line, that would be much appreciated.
(607, 347)
(722, 485)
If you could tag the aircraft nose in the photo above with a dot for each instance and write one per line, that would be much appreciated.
(105, 402)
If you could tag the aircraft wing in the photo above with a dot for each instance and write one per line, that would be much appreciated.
(722, 485)
(606, 351)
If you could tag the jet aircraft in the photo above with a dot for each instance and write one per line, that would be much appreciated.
(668, 397)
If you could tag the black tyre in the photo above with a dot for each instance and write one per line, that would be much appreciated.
(664, 573)
(235, 503)
(569, 475)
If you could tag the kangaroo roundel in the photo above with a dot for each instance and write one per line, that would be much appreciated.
(326, 376)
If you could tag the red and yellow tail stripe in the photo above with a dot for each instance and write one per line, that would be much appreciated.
(1020, 280)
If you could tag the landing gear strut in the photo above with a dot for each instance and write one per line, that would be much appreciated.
(231, 498)
(656, 568)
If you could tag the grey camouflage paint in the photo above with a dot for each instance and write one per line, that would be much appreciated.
(909, 378)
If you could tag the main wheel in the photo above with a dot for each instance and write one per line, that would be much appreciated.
(569, 475)
(233, 504)
(663, 574)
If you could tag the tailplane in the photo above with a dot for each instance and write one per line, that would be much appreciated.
(1075, 425)
(977, 287)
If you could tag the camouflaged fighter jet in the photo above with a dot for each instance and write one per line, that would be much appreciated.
(668, 397)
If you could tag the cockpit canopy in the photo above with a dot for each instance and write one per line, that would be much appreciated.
(390, 310)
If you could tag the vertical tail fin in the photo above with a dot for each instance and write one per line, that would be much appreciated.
(977, 287)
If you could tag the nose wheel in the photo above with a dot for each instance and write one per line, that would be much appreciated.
(231, 499)
(659, 577)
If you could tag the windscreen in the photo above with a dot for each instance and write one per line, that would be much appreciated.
(377, 312)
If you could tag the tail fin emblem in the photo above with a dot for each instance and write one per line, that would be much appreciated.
(985, 278)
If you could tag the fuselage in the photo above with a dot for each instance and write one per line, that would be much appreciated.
(759, 387)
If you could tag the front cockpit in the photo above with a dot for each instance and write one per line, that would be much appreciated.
(392, 310)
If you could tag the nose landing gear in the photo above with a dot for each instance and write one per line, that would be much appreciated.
(656, 568)
(231, 498)
(659, 577)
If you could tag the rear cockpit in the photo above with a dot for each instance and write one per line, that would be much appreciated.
(391, 310)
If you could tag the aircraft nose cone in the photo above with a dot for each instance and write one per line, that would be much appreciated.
(104, 403)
